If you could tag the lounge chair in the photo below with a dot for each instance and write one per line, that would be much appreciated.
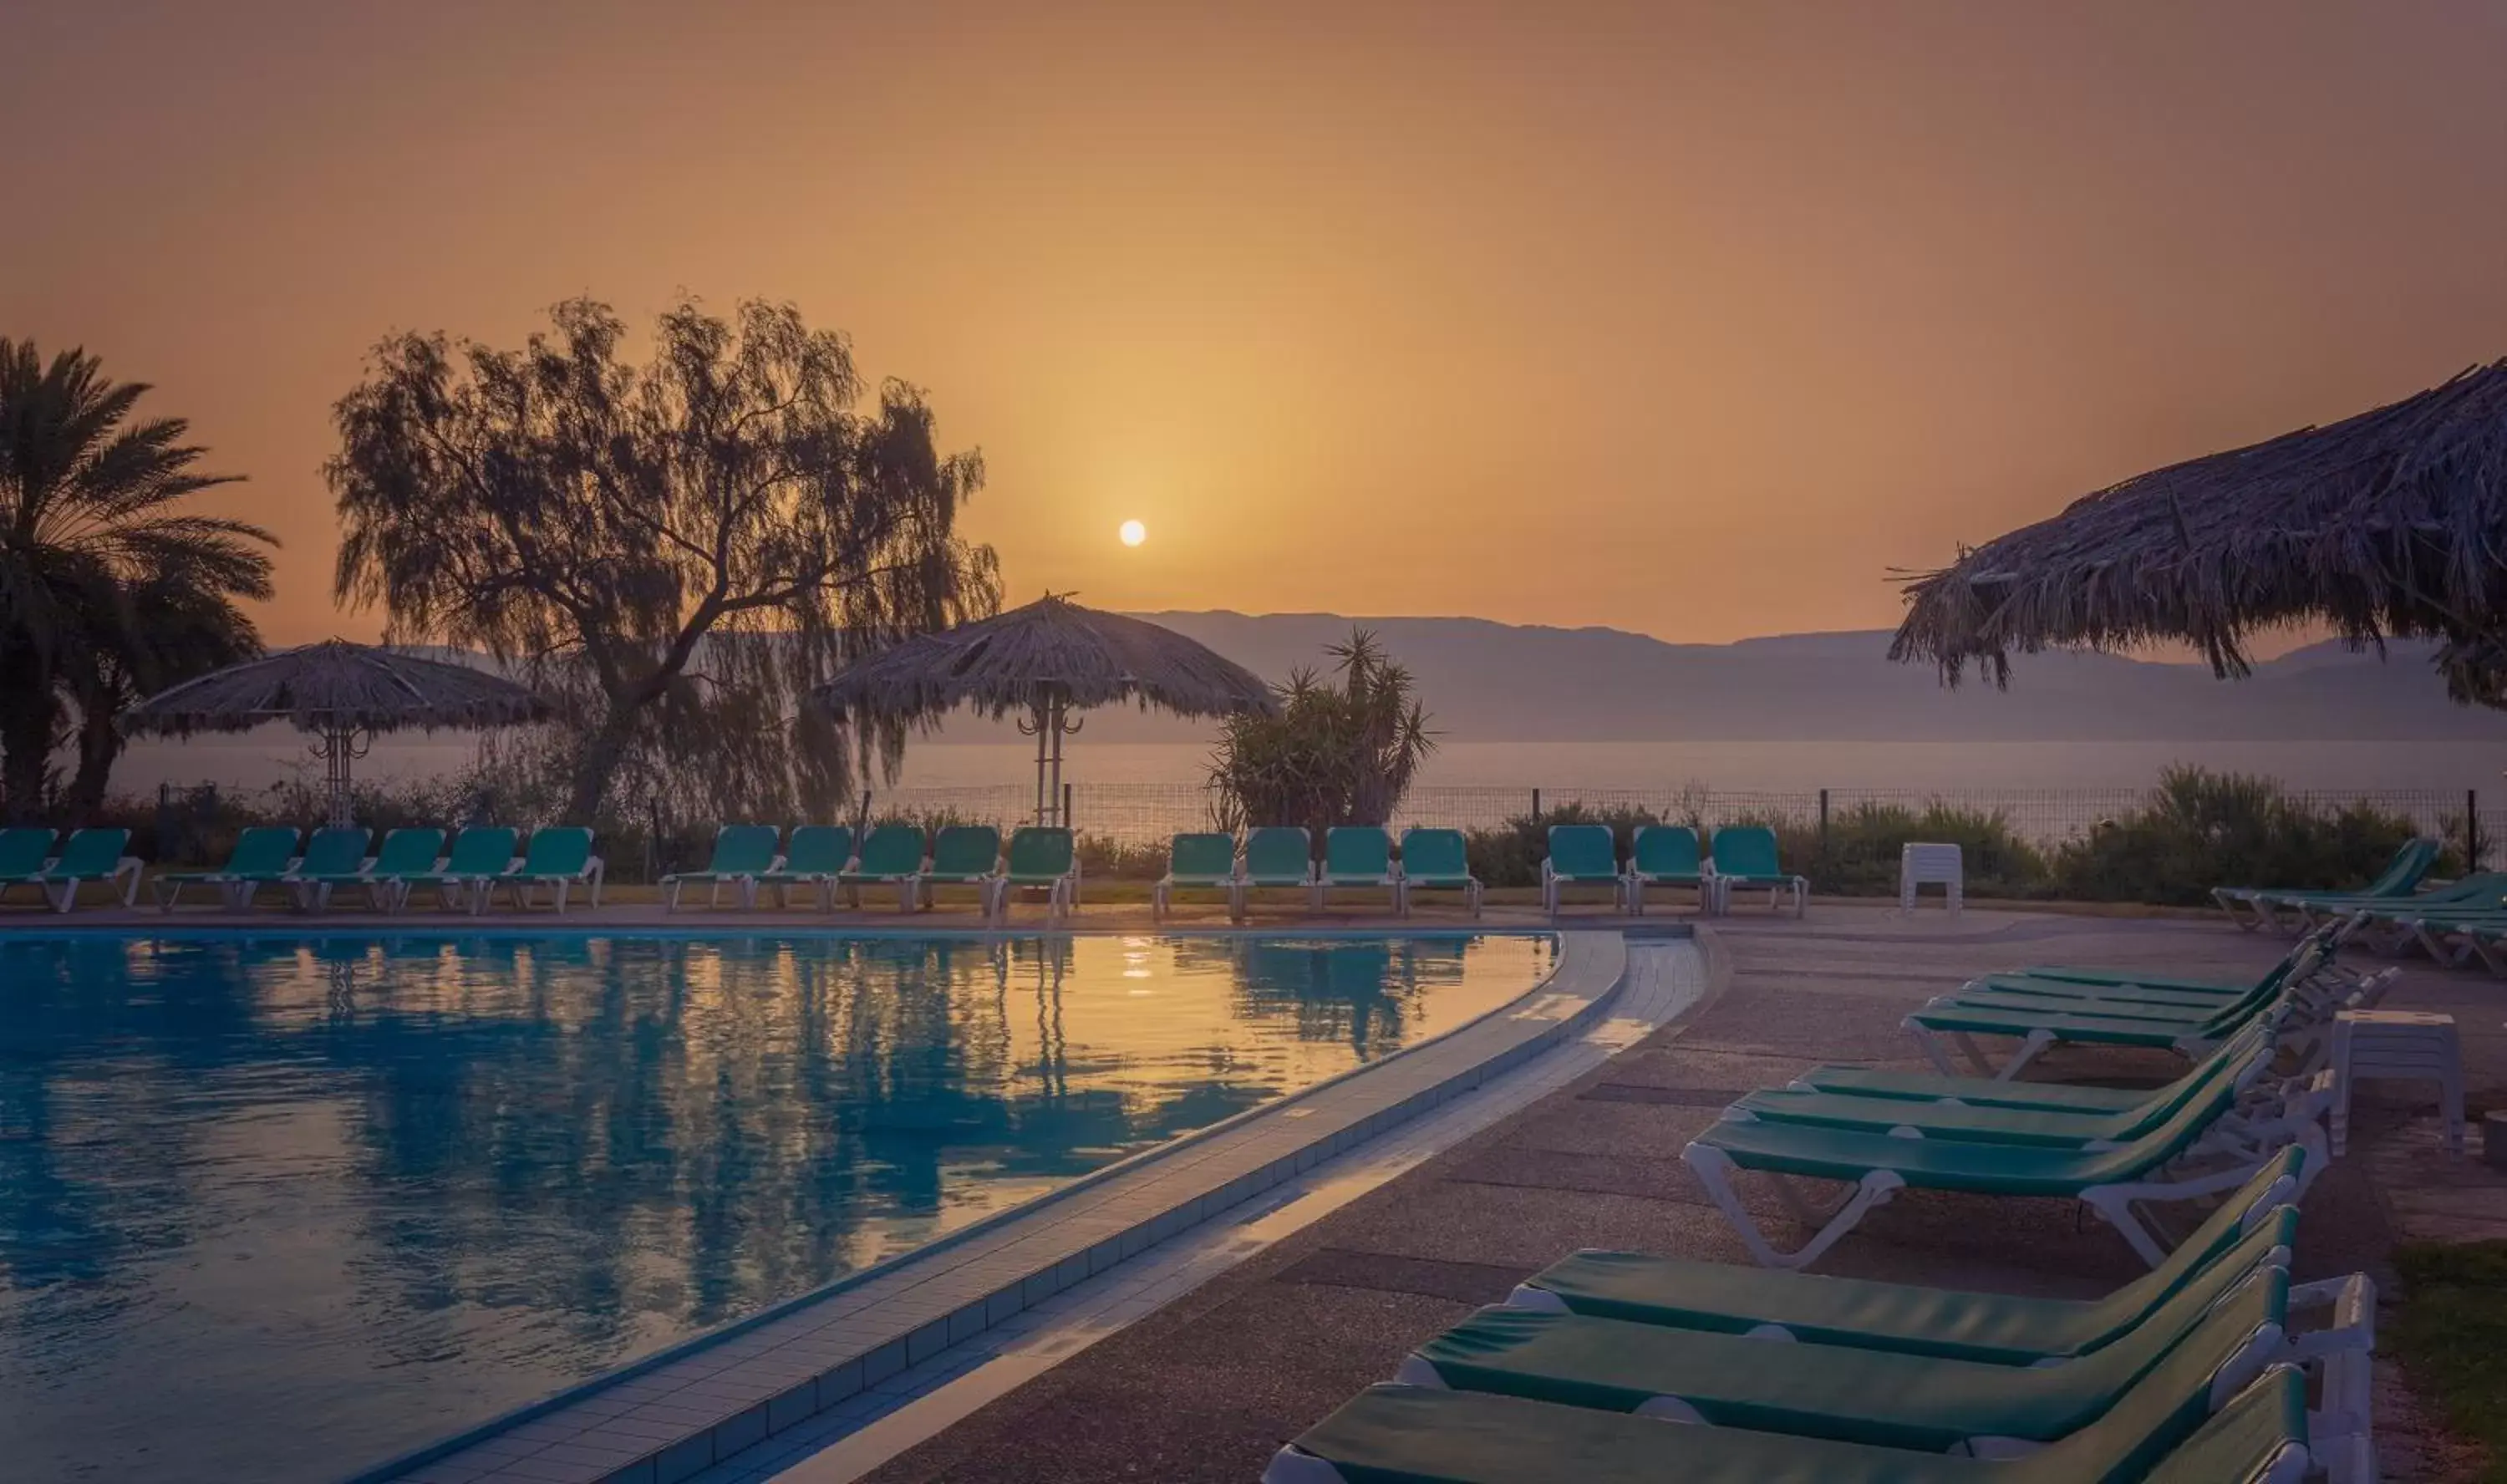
(1437, 860)
(1040, 855)
(481, 854)
(1281, 856)
(1199, 861)
(1666, 856)
(90, 854)
(1358, 858)
(2111, 1182)
(2253, 1228)
(2261, 904)
(262, 854)
(25, 850)
(335, 853)
(965, 855)
(816, 857)
(1412, 1434)
(892, 855)
(1884, 1083)
(1580, 855)
(404, 854)
(2197, 1349)
(559, 857)
(1744, 856)
(741, 853)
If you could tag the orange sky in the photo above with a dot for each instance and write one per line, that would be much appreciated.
(1691, 320)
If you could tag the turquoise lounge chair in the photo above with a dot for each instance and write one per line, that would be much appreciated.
(1744, 856)
(90, 854)
(965, 855)
(1437, 860)
(559, 857)
(1413, 1435)
(1199, 861)
(1668, 856)
(404, 854)
(2196, 1349)
(1358, 858)
(741, 854)
(2400, 878)
(263, 855)
(1882, 1083)
(335, 853)
(1580, 855)
(1281, 856)
(816, 857)
(2112, 1182)
(2253, 1228)
(25, 850)
(479, 856)
(892, 855)
(1040, 855)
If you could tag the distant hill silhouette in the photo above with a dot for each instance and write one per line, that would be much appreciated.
(1504, 682)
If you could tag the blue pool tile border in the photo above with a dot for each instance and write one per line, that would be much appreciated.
(1599, 954)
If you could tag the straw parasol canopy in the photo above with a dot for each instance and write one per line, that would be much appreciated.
(343, 693)
(1047, 659)
(2392, 524)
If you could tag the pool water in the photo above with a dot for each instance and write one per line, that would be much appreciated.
(278, 1207)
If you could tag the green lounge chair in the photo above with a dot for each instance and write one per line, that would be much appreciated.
(479, 855)
(1745, 855)
(336, 852)
(963, 856)
(1040, 855)
(741, 853)
(1276, 856)
(404, 852)
(816, 857)
(25, 850)
(1358, 858)
(1199, 861)
(1415, 1434)
(2386, 923)
(1880, 1082)
(558, 857)
(1437, 860)
(892, 855)
(2197, 1349)
(2253, 1228)
(2111, 1182)
(2016, 1125)
(1666, 856)
(2261, 904)
(90, 854)
(262, 856)
(1580, 855)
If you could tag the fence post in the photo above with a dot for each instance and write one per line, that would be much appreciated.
(1823, 834)
(1535, 806)
(653, 837)
(2472, 841)
(1066, 810)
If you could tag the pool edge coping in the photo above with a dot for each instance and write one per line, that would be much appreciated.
(1586, 960)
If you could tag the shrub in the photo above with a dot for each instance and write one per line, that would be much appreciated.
(2203, 829)
(1861, 850)
(1330, 754)
(1103, 857)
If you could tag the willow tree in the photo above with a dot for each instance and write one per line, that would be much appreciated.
(679, 546)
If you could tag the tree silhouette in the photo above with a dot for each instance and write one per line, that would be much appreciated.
(676, 547)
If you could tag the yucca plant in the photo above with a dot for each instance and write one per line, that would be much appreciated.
(1339, 750)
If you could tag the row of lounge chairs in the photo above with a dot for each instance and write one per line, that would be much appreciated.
(823, 859)
(2454, 923)
(31, 856)
(2199, 1372)
(1740, 858)
(479, 861)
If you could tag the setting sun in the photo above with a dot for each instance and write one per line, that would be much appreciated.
(1133, 532)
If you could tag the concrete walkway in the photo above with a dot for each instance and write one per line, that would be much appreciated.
(1208, 1387)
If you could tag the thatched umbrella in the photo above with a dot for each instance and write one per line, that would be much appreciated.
(1048, 659)
(342, 693)
(2392, 524)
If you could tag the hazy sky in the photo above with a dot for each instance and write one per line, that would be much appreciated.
(1692, 319)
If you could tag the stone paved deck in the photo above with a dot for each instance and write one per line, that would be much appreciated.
(1208, 1387)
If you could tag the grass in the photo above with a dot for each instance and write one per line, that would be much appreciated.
(2450, 1332)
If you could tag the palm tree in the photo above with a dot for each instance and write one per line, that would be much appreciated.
(106, 585)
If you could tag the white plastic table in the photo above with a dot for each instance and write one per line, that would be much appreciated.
(1918, 864)
(2413, 1045)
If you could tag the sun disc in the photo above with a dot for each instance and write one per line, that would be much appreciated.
(1133, 532)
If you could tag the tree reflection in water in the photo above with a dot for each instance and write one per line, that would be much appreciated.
(399, 1185)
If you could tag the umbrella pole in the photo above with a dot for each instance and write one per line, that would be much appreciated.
(1040, 726)
(1053, 795)
(338, 749)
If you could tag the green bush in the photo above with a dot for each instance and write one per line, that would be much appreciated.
(2203, 829)
(1103, 857)
(1859, 856)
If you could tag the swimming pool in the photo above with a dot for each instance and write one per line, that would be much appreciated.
(278, 1207)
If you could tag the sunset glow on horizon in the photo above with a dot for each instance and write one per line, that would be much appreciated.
(1693, 320)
